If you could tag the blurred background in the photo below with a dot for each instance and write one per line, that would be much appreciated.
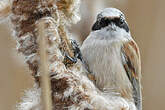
(146, 22)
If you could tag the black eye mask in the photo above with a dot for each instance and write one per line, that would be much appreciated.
(103, 22)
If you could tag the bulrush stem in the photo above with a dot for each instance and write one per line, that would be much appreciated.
(5, 8)
(45, 80)
(66, 44)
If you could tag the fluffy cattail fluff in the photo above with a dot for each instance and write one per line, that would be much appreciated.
(70, 86)
(5, 10)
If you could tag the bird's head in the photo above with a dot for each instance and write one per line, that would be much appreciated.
(112, 19)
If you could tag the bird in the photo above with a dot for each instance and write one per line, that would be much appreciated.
(113, 57)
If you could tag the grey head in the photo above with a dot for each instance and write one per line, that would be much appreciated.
(110, 17)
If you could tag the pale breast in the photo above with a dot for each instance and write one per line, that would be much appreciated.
(104, 61)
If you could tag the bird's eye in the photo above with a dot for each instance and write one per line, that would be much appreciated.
(100, 23)
(121, 22)
(104, 22)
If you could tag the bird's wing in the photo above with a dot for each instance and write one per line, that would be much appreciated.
(132, 64)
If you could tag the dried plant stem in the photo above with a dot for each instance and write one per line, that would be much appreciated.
(66, 44)
(5, 8)
(45, 81)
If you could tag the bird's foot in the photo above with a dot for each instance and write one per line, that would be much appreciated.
(68, 60)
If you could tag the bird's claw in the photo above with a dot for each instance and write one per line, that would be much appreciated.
(77, 54)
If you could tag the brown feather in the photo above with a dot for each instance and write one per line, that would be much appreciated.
(132, 64)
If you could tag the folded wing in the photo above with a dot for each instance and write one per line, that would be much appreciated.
(132, 64)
